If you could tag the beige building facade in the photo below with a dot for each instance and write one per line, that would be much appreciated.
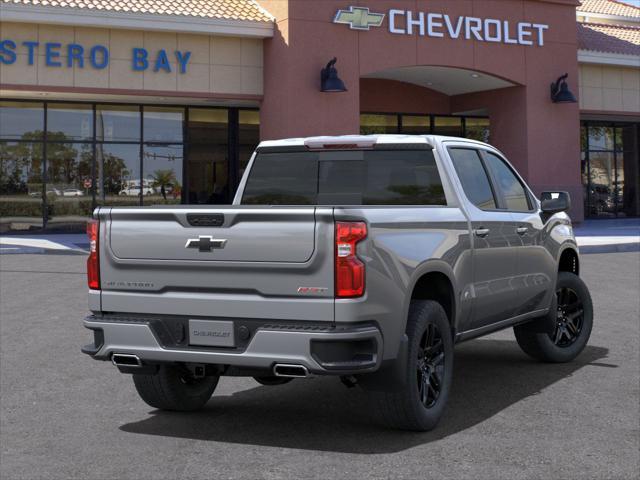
(149, 102)
(216, 64)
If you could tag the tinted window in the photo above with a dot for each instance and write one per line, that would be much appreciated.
(346, 178)
(510, 189)
(473, 177)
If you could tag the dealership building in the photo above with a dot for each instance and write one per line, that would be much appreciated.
(148, 102)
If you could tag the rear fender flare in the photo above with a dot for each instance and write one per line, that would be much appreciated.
(432, 266)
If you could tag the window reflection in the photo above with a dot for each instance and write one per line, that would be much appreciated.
(69, 122)
(118, 123)
(69, 181)
(118, 174)
(449, 126)
(208, 156)
(21, 186)
(163, 124)
(21, 120)
(378, 124)
(162, 176)
(108, 154)
(477, 129)
(248, 135)
(416, 125)
(611, 169)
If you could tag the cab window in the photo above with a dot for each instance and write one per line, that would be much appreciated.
(473, 177)
(510, 190)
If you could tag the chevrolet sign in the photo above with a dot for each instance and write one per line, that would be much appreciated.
(441, 25)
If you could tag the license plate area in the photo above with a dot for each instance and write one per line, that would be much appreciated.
(211, 333)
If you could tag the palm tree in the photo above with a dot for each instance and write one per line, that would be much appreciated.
(163, 178)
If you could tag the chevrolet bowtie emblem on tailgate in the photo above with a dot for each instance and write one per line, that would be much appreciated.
(359, 18)
(205, 243)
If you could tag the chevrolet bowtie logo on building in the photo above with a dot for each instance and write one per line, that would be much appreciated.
(359, 18)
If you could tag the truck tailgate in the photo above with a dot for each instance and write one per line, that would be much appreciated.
(235, 261)
(250, 235)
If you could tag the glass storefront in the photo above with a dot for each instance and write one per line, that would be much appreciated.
(610, 164)
(58, 161)
(476, 128)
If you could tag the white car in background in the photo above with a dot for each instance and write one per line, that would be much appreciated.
(50, 191)
(135, 190)
(72, 192)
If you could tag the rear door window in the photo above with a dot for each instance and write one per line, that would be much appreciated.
(372, 177)
(474, 178)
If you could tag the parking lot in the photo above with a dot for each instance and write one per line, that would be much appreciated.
(66, 416)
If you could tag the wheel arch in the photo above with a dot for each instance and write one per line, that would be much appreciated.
(435, 281)
(569, 260)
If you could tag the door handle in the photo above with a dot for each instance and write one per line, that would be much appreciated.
(481, 232)
(522, 230)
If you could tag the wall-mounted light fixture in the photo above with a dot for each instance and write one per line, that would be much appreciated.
(329, 80)
(560, 92)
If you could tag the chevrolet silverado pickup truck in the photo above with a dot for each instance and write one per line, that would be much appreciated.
(361, 257)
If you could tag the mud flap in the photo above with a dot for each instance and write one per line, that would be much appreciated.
(392, 373)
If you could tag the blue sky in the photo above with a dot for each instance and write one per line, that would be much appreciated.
(632, 2)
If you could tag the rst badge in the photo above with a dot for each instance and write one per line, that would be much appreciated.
(312, 290)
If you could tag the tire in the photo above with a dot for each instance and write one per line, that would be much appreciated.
(272, 380)
(174, 388)
(573, 327)
(419, 404)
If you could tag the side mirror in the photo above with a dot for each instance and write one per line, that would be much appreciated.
(555, 202)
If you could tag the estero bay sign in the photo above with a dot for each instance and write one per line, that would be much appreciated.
(93, 56)
(441, 25)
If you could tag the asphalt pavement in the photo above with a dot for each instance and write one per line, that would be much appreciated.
(65, 416)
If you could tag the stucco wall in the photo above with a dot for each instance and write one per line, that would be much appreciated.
(609, 88)
(224, 65)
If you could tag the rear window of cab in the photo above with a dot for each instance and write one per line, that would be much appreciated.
(369, 177)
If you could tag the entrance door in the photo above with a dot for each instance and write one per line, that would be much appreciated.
(495, 243)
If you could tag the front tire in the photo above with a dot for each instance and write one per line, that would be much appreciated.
(574, 321)
(421, 401)
(173, 387)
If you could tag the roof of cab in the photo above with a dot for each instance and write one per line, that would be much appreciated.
(364, 141)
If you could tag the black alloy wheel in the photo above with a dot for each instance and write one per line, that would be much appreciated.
(573, 318)
(570, 317)
(430, 366)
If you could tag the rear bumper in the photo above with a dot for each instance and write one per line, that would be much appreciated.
(333, 350)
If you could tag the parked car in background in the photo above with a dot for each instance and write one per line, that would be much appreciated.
(135, 190)
(72, 192)
(50, 191)
(361, 257)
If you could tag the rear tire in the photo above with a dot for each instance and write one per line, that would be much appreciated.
(421, 401)
(173, 387)
(574, 322)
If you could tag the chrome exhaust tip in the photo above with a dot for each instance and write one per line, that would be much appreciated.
(125, 360)
(290, 371)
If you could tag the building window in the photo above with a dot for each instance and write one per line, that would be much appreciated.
(58, 160)
(379, 124)
(610, 166)
(448, 126)
(476, 128)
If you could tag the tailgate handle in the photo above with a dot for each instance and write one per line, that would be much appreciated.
(205, 219)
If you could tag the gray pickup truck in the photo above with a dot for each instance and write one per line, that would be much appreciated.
(362, 257)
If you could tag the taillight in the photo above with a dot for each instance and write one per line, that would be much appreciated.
(93, 262)
(349, 268)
